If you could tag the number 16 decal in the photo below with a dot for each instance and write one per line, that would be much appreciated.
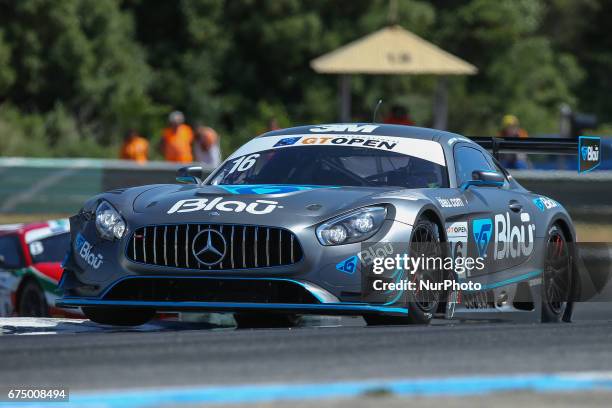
(244, 163)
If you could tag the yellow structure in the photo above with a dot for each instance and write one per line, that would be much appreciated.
(391, 51)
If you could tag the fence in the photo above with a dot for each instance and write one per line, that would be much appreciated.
(60, 186)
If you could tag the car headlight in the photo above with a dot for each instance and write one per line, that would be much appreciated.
(353, 227)
(109, 223)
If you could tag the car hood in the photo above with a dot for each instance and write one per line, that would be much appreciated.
(254, 204)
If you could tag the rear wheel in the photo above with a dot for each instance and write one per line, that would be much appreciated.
(117, 316)
(32, 302)
(556, 277)
(421, 304)
(256, 320)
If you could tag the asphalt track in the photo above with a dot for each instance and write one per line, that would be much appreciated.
(86, 357)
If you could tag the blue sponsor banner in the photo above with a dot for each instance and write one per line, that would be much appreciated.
(589, 153)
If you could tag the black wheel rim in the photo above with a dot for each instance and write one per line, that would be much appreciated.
(425, 243)
(557, 272)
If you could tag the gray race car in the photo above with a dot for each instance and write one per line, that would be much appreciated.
(293, 221)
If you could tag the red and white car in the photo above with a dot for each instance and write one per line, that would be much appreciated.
(31, 258)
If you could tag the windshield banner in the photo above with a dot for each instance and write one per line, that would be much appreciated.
(423, 149)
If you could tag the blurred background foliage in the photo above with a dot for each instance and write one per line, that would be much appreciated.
(76, 74)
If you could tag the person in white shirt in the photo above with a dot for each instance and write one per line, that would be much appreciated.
(206, 147)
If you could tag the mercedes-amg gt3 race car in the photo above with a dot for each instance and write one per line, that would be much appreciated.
(295, 221)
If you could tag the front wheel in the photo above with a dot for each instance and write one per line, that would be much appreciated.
(421, 304)
(118, 316)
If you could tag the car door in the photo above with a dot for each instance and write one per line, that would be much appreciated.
(471, 230)
(514, 225)
(504, 234)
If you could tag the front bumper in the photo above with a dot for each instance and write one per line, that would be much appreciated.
(227, 294)
(87, 282)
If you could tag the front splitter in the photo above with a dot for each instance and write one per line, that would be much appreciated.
(320, 309)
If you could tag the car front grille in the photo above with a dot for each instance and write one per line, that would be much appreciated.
(247, 246)
(186, 289)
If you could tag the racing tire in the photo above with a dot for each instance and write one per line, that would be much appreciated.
(556, 277)
(117, 316)
(421, 307)
(32, 301)
(260, 321)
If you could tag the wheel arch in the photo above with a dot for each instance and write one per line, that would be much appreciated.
(436, 218)
(565, 228)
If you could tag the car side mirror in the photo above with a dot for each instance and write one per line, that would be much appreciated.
(189, 175)
(485, 178)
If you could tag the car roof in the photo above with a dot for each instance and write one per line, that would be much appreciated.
(53, 226)
(380, 129)
(21, 228)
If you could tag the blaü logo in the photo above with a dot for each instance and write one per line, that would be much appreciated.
(84, 249)
(512, 241)
(204, 204)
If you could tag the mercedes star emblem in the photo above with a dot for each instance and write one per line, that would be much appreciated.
(209, 247)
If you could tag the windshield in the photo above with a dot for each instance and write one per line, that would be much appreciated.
(331, 165)
(50, 249)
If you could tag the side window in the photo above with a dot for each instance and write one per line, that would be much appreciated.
(499, 168)
(468, 159)
(50, 249)
(10, 252)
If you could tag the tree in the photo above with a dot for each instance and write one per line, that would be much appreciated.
(79, 72)
(520, 71)
(79, 53)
